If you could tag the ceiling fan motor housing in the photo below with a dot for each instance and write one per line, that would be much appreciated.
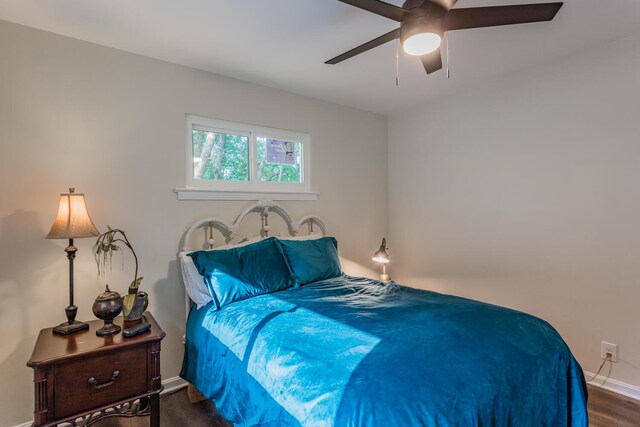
(428, 18)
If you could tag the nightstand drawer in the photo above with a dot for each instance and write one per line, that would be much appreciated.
(89, 383)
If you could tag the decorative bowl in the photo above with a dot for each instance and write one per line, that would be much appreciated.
(107, 306)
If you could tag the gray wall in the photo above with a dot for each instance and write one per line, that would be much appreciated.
(525, 193)
(112, 124)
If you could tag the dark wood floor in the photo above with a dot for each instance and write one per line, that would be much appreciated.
(606, 409)
(175, 411)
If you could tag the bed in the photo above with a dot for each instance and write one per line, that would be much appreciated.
(350, 351)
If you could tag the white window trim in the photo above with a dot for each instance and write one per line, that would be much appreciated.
(252, 189)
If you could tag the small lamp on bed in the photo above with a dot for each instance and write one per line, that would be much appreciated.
(72, 222)
(382, 256)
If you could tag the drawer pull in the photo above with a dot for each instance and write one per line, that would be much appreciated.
(94, 382)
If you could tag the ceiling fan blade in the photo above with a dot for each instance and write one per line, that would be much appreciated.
(432, 62)
(391, 35)
(380, 8)
(478, 17)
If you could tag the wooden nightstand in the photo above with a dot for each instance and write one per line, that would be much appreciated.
(81, 378)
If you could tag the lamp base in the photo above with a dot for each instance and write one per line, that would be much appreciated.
(67, 328)
(384, 277)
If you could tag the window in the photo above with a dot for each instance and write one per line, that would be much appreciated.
(234, 157)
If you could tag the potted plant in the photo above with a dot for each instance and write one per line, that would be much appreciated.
(136, 301)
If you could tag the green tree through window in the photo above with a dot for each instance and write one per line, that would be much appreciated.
(220, 156)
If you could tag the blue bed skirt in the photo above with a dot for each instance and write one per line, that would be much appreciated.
(356, 352)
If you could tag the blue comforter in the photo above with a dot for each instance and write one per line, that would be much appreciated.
(356, 352)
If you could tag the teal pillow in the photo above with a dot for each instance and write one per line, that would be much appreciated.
(312, 260)
(239, 273)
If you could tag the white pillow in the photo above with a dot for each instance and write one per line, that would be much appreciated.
(194, 282)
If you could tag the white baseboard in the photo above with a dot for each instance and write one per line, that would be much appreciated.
(170, 385)
(173, 384)
(615, 386)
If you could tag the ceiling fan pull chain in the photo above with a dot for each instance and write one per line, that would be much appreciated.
(448, 69)
(398, 62)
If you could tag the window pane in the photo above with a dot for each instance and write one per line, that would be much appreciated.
(220, 156)
(279, 160)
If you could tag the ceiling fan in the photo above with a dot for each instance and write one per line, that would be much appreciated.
(423, 23)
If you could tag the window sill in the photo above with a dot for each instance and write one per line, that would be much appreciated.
(206, 194)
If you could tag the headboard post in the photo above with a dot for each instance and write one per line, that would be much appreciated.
(211, 240)
(265, 222)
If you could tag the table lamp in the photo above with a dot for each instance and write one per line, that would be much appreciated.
(382, 256)
(72, 222)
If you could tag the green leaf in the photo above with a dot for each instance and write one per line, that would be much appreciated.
(133, 288)
(128, 301)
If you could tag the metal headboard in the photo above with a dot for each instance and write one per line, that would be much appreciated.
(231, 231)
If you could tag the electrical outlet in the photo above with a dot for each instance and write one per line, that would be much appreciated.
(607, 347)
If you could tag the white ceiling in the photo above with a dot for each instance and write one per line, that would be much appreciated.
(284, 43)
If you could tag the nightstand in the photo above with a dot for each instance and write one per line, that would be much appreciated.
(81, 378)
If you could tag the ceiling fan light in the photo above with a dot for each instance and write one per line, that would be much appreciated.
(421, 43)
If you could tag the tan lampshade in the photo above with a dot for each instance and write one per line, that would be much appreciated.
(73, 220)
